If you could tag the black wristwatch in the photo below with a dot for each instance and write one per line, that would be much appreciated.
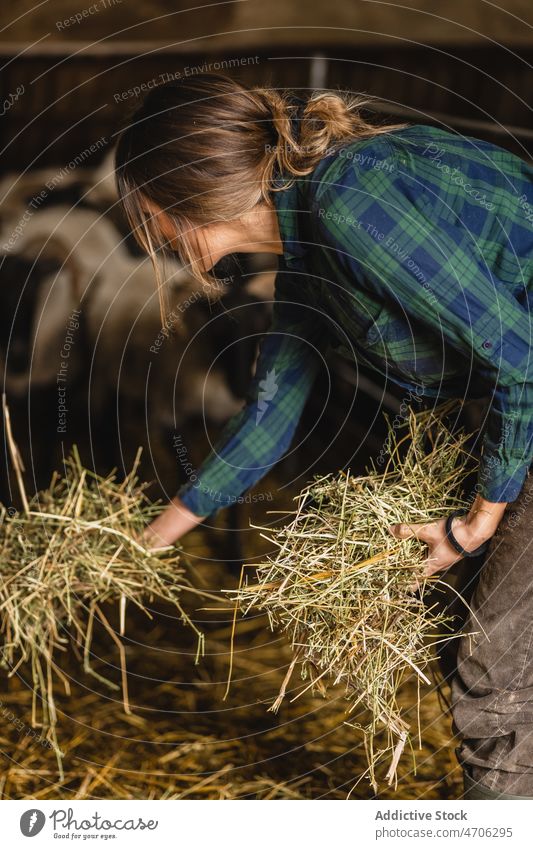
(457, 545)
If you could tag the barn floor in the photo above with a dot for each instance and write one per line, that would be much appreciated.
(184, 740)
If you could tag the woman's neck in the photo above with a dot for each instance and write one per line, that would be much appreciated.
(260, 231)
(255, 232)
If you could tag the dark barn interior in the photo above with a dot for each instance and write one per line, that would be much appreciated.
(84, 363)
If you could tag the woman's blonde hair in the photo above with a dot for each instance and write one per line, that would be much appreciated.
(206, 149)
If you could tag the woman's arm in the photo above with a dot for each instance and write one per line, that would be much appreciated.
(432, 270)
(256, 438)
(480, 523)
(171, 524)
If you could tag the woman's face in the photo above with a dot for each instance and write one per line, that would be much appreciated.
(214, 241)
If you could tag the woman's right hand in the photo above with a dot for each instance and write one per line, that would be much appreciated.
(171, 524)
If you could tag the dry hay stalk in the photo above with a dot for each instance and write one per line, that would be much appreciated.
(340, 586)
(74, 548)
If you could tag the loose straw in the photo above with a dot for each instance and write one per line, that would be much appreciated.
(75, 548)
(340, 587)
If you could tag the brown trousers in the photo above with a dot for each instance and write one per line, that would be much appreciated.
(492, 685)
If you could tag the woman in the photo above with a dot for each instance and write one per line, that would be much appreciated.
(405, 247)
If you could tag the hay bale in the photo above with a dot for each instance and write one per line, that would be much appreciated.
(341, 587)
(72, 549)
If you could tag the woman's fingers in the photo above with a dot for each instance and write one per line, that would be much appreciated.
(406, 531)
(423, 532)
(431, 567)
(440, 555)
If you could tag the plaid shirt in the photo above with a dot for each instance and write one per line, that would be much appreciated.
(411, 252)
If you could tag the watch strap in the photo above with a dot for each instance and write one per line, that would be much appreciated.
(457, 545)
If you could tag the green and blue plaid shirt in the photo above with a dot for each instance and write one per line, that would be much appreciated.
(412, 252)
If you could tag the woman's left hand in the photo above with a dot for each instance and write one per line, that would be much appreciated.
(470, 531)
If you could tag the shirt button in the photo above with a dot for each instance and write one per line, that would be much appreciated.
(487, 344)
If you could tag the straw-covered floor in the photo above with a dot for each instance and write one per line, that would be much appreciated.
(173, 729)
(182, 740)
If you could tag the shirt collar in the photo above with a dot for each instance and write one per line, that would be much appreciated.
(287, 205)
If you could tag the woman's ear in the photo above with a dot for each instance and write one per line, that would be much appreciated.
(167, 227)
(209, 245)
(163, 220)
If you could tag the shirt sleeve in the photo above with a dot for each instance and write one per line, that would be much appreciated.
(429, 267)
(257, 437)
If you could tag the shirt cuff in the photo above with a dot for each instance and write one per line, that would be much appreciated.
(498, 482)
(202, 500)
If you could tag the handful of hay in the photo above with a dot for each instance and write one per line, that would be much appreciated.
(340, 585)
(73, 548)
